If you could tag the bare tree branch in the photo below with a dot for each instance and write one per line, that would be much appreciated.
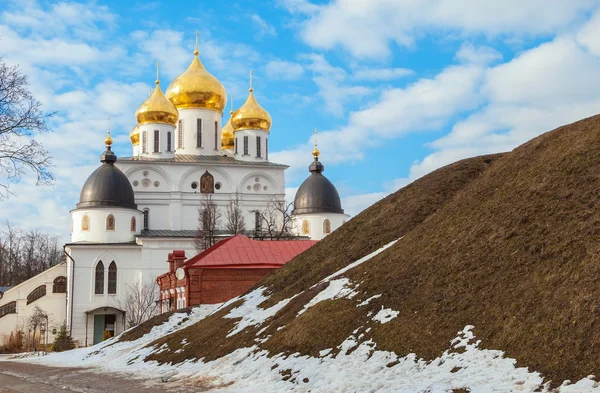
(208, 220)
(21, 119)
(139, 303)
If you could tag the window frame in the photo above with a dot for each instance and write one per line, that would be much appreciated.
(169, 142)
(99, 278)
(146, 219)
(57, 286)
(156, 141)
(180, 134)
(199, 133)
(8, 308)
(258, 147)
(216, 135)
(110, 219)
(112, 278)
(144, 141)
(38, 293)
(246, 145)
(85, 223)
(133, 224)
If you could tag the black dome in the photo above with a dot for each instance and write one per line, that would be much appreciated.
(107, 186)
(317, 194)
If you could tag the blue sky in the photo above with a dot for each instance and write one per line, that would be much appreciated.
(396, 88)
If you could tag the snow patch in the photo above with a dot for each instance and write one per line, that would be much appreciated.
(336, 289)
(250, 312)
(367, 301)
(385, 315)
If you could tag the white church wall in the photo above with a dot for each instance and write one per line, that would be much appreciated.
(147, 142)
(188, 118)
(253, 145)
(54, 304)
(130, 269)
(316, 224)
(97, 225)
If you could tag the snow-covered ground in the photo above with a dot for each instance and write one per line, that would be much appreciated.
(358, 366)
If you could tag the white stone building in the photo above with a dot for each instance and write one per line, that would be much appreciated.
(134, 211)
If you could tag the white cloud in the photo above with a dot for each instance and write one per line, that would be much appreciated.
(264, 29)
(469, 53)
(366, 28)
(354, 204)
(283, 70)
(381, 74)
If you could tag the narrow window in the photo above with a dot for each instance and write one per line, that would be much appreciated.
(236, 144)
(144, 142)
(156, 141)
(180, 134)
(257, 222)
(110, 223)
(85, 223)
(8, 308)
(245, 145)
(198, 132)
(99, 279)
(169, 142)
(326, 226)
(36, 294)
(258, 147)
(133, 224)
(112, 278)
(216, 135)
(305, 227)
(146, 218)
(59, 285)
(267, 148)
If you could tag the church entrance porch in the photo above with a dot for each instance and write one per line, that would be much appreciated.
(102, 323)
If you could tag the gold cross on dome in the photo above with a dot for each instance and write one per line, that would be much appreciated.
(251, 89)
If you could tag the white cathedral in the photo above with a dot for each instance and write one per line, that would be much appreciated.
(134, 211)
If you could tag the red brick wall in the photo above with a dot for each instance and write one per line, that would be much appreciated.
(210, 286)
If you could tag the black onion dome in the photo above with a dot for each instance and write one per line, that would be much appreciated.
(107, 186)
(317, 194)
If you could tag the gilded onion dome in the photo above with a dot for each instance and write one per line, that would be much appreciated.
(251, 116)
(197, 88)
(227, 134)
(157, 109)
(134, 135)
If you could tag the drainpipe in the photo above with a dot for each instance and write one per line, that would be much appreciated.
(72, 290)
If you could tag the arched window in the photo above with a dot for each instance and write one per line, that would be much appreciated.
(85, 223)
(207, 183)
(36, 294)
(8, 308)
(59, 285)
(146, 218)
(133, 224)
(169, 142)
(326, 226)
(99, 279)
(257, 221)
(110, 223)
(112, 278)
(305, 227)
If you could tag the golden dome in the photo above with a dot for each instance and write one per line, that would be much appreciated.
(134, 135)
(227, 134)
(157, 109)
(197, 88)
(108, 141)
(251, 116)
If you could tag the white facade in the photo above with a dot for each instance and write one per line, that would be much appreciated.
(318, 225)
(116, 247)
(53, 302)
(198, 132)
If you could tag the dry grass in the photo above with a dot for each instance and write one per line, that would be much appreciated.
(508, 243)
(145, 327)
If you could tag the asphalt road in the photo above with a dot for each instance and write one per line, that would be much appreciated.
(17, 377)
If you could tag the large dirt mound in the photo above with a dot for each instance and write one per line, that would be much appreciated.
(507, 243)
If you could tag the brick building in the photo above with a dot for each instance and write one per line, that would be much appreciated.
(226, 270)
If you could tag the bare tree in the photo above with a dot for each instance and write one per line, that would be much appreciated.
(21, 117)
(140, 302)
(275, 222)
(208, 219)
(38, 319)
(235, 218)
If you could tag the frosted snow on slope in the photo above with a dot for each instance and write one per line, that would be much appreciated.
(365, 369)
(337, 289)
(250, 312)
(385, 315)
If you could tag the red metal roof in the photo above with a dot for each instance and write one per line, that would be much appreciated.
(241, 252)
